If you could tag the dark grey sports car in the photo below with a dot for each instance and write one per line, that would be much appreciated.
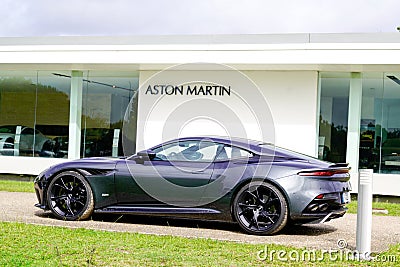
(258, 185)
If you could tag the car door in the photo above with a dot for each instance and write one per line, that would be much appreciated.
(26, 141)
(175, 175)
(230, 166)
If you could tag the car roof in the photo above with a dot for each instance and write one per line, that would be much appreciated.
(257, 147)
(249, 144)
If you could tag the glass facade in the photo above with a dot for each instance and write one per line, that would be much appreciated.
(35, 106)
(379, 146)
(106, 96)
(333, 116)
(380, 123)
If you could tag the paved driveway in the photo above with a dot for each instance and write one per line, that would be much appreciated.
(19, 207)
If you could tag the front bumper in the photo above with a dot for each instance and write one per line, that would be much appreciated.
(40, 195)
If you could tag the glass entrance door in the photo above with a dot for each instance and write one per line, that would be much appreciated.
(380, 123)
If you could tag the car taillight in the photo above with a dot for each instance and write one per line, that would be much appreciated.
(323, 172)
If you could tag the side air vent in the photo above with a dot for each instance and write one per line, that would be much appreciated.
(97, 172)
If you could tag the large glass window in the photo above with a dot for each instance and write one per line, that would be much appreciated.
(380, 123)
(34, 108)
(106, 96)
(52, 113)
(333, 116)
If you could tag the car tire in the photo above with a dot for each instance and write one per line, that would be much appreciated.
(260, 208)
(70, 197)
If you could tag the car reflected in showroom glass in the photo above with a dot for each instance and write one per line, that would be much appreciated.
(38, 103)
(257, 185)
(30, 142)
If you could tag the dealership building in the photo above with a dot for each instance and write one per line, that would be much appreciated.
(331, 96)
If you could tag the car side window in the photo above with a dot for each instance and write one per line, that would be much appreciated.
(187, 151)
(232, 152)
(27, 131)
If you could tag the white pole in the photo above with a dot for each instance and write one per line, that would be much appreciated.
(17, 140)
(364, 214)
(115, 143)
(75, 115)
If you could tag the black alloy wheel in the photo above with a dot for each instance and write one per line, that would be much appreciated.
(70, 197)
(260, 209)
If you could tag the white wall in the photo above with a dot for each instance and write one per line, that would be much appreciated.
(291, 96)
(26, 165)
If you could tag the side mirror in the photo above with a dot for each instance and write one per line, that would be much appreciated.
(144, 155)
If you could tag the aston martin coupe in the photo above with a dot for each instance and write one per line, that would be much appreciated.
(258, 185)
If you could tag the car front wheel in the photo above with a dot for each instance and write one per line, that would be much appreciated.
(70, 197)
(260, 208)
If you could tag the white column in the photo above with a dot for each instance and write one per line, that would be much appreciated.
(353, 132)
(318, 113)
(75, 115)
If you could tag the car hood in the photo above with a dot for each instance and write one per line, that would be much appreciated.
(6, 135)
(85, 164)
(97, 163)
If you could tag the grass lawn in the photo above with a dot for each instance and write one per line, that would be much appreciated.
(16, 186)
(392, 208)
(33, 245)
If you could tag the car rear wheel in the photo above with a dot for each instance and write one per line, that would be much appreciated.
(260, 208)
(70, 197)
